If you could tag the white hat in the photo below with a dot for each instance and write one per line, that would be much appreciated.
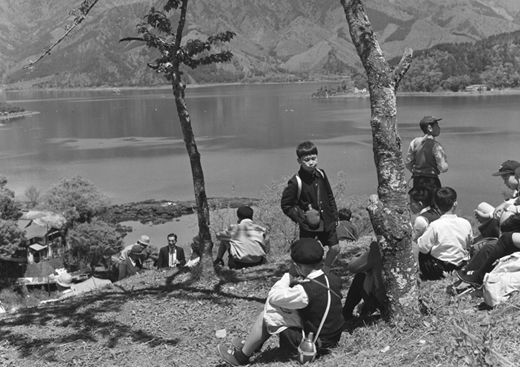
(65, 280)
(144, 240)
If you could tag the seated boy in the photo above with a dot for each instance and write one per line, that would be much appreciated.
(367, 284)
(246, 242)
(295, 305)
(486, 214)
(346, 230)
(484, 261)
(420, 197)
(443, 246)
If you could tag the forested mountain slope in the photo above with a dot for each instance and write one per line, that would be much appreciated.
(275, 39)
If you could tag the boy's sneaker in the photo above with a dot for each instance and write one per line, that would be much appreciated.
(238, 343)
(228, 356)
(469, 277)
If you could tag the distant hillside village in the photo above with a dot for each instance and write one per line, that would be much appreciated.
(40, 251)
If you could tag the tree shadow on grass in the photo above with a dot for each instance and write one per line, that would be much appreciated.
(130, 315)
(94, 320)
(70, 321)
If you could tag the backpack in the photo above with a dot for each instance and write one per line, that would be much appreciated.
(299, 182)
(503, 280)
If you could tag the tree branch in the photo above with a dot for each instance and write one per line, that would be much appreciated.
(82, 12)
(403, 66)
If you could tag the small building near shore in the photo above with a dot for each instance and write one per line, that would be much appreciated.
(476, 88)
(40, 254)
(43, 235)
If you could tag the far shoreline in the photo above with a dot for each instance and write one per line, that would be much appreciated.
(508, 91)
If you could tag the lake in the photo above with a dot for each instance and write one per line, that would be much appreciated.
(129, 142)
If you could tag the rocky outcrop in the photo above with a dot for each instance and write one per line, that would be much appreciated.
(161, 211)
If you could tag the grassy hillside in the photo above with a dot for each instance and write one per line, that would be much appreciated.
(167, 318)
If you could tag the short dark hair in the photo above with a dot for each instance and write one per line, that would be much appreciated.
(424, 127)
(445, 197)
(245, 212)
(424, 194)
(172, 235)
(344, 214)
(306, 148)
(196, 248)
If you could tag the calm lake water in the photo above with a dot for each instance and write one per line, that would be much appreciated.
(129, 142)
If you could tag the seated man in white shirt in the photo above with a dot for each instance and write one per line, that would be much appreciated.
(444, 245)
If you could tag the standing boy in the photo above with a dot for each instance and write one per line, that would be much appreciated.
(443, 246)
(308, 200)
(295, 306)
(426, 158)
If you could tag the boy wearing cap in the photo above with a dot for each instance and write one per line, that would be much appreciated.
(509, 242)
(245, 242)
(488, 216)
(308, 200)
(295, 306)
(426, 158)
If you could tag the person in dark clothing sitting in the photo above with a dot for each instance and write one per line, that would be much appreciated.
(296, 306)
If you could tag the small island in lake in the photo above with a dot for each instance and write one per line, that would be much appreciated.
(8, 111)
(343, 90)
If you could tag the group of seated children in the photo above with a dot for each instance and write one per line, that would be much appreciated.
(503, 220)
(446, 243)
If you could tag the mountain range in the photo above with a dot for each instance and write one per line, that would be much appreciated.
(273, 38)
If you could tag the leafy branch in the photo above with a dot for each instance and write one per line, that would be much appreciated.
(157, 32)
(80, 14)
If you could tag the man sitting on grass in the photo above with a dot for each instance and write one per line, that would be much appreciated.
(443, 246)
(487, 215)
(295, 306)
(246, 242)
(484, 261)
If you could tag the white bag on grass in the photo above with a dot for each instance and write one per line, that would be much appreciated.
(503, 280)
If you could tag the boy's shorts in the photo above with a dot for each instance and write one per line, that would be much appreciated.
(327, 238)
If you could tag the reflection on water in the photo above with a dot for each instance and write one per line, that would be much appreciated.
(130, 143)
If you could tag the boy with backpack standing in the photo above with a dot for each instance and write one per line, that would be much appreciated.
(308, 200)
(426, 158)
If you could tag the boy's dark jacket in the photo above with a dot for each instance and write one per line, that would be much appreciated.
(295, 208)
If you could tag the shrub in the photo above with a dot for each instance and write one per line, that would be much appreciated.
(90, 242)
(33, 196)
(76, 198)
